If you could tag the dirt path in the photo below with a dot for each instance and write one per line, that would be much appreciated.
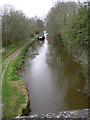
(10, 58)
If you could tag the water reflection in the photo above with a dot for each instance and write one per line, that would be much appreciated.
(53, 79)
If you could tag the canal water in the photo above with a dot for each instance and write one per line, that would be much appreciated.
(53, 79)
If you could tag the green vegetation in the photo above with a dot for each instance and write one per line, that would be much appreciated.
(10, 49)
(17, 27)
(17, 30)
(68, 23)
(15, 94)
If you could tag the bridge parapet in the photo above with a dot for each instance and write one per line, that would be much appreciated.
(72, 114)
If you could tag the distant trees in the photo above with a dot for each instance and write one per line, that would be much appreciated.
(68, 22)
(16, 27)
(40, 25)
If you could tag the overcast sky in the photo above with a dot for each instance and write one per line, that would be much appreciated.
(31, 8)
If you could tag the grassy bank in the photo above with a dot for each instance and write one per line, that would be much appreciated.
(10, 49)
(15, 95)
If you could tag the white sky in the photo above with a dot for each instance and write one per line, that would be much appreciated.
(31, 8)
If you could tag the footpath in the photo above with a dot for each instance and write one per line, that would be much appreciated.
(10, 58)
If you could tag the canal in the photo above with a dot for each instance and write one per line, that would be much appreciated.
(53, 79)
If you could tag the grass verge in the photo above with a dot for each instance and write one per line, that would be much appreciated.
(10, 49)
(14, 93)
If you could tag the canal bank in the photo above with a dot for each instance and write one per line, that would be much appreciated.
(53, 79)
(13, 87)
